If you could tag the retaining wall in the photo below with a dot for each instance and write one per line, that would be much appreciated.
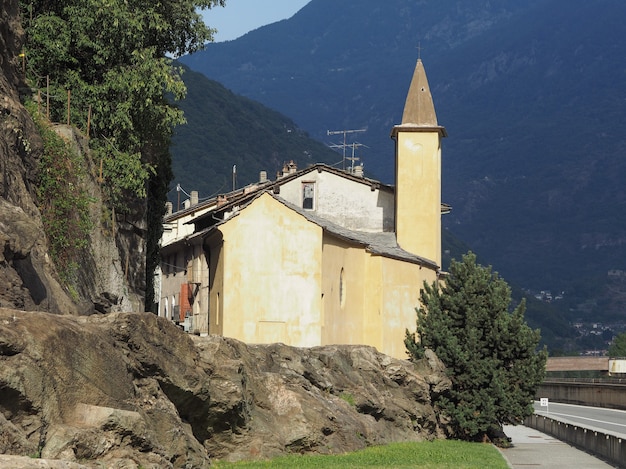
(584, 392)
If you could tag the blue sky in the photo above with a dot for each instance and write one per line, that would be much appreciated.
(240, 16)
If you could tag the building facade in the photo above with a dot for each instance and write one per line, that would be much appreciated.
(318, 256)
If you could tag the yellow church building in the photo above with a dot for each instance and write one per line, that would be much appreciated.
(320, 255)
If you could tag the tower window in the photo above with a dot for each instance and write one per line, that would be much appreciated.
(308, 195)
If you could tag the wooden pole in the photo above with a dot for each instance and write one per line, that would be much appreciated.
(89, 125)
(100, 178)
(48, 97)
(68, 107)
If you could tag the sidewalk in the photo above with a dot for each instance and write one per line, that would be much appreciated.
(532, 448)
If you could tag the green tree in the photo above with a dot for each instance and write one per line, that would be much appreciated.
(490, 353)
(115, 56)
(618, 346)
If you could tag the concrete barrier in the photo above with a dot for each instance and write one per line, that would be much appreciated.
(584, 392)
(606, 446)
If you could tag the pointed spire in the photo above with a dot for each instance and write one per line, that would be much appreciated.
(419, 109)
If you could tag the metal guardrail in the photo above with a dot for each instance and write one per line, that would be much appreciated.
(609, 447)
(587, 380)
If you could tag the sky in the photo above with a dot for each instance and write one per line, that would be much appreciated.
(240, 16)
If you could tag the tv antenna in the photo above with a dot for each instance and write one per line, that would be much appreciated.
(354, 158)
(344, 145)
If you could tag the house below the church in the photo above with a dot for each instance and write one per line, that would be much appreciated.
(318, 256)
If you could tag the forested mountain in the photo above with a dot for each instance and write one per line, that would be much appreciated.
(533, 95)
(225, 130)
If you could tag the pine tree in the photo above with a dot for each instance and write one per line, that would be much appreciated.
(490, 353)
(618, 346)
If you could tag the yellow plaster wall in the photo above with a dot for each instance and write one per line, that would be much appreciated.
(199, 276)
(401, 284)
(215, 282)
(418, 193)
(343, 320)
(373, 313)
(381, 297)
(271, 276)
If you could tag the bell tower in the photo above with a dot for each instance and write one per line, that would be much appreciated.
(418, 172)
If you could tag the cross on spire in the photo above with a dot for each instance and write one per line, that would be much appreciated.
(419, 50)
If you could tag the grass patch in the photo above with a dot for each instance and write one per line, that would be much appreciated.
(349, 398)
(439, 454)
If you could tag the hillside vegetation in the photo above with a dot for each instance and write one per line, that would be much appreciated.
(223, 130)
(105, 68)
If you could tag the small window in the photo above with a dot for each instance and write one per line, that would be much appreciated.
(308, 195)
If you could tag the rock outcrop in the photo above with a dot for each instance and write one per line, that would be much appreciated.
(112, 270)
(27, 279)
(128, 390)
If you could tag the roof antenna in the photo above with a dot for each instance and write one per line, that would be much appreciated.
(344, 145)
(419, 50)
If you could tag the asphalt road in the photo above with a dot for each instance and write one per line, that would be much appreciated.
(594, 418)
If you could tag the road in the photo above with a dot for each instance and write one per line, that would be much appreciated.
(595, 418)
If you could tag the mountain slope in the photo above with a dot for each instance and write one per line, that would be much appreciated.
(532, 95)
(225, 130)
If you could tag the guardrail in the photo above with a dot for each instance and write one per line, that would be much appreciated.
(604, 445)
(586, 380)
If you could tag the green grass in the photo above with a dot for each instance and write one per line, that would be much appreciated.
(439, 454)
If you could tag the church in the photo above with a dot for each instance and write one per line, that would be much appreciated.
(318, 256)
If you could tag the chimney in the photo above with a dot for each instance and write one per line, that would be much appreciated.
(221, 200)
(358, 170)
(168, 208)
(194, 198)
(263, 176)
(292, 167)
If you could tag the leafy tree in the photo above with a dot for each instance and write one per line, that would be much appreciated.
(112, 55)
(618, 347)
(490, 353)
(115, 56)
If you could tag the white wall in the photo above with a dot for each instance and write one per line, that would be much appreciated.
(348, 203)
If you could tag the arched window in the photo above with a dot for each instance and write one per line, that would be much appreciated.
(342, 289)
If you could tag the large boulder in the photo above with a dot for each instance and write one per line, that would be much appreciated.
(130, 390)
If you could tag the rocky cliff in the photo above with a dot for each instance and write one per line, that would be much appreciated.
(127, 390)
(26, 274)
(112, 274)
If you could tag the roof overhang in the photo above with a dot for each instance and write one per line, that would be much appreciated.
(418, 128)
